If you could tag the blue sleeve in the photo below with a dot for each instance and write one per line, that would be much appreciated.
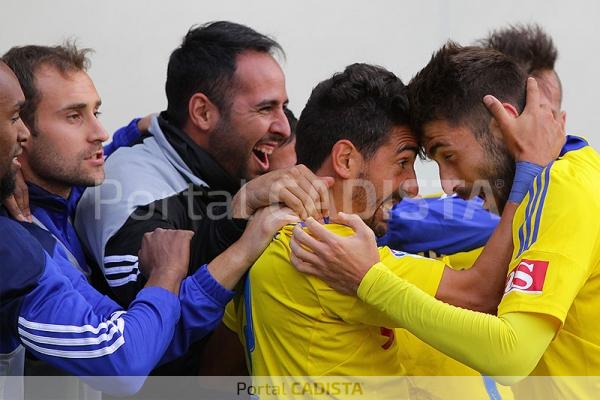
(445, 225)
(123, 136)
(111, 352)
(203, 302)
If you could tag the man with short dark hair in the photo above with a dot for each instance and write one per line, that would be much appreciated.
(225, 116)
(546, 323)
(293, 324)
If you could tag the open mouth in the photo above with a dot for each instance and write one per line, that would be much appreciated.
(262, 153)
(97, 158)
(15, 159)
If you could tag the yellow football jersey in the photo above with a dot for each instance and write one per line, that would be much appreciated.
(556, 271)
(294, 324)
(437, 371)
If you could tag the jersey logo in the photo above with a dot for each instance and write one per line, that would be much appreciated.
(527, 277)
(401, 254)
(389, 333)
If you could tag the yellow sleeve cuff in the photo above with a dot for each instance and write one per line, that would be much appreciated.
(377, 272)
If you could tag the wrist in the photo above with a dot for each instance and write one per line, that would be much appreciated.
(525, 173)
(239, 255)
(239, 205)
(167, 280)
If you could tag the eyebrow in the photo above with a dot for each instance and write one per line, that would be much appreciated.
(405, 147)
(79, 106)
(271, 103)
(433, 149)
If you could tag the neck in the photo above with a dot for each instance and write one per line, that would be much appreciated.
(56, 188)
(340, 196)
(199, 137)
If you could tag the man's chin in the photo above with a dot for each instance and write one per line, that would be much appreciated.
(379, 228)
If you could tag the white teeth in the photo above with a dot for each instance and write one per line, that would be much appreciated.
(268, 150)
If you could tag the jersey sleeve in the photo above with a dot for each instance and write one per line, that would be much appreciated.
(203, 301)
(444, 225)
(59, 326)
(424, 273)
(556, 244)
(507, 347)
(123, 136)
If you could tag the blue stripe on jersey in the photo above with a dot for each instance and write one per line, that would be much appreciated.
(526, 226)
(528, 231)
(538, 216)
(522, 228)
(249, 328)
(491, 388)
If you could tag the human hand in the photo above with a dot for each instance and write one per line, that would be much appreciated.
(144, 123)
(232, 264)
(306, 194)
(340, 261)
(17, 204)
(164, 257)
(261, 229)
(535, 136)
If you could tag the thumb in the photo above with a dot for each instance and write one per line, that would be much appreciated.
(497, 110)
(353, 221)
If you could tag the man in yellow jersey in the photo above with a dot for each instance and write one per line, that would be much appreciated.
(354, 128)
(547, 318)
(455, 230)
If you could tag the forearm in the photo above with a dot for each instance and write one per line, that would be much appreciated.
(507, 346)
(480, 288)
(229, 266)
(203, 302)
(105, 350)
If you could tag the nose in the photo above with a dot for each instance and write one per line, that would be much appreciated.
(22, 132)
(280, 125)
(449, 181)
(98, 132)
(410, 186)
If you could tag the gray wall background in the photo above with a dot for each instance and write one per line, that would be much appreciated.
(133, 39)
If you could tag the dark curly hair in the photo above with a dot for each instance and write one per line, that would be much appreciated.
(361, 104)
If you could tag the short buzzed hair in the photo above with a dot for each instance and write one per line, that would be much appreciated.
(26, 60)
(529, 45)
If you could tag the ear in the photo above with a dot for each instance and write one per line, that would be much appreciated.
(494, 127)
(202, 112)
(511, 110)
(346, 160)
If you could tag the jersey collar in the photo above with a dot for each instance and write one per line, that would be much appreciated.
(573, 143)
